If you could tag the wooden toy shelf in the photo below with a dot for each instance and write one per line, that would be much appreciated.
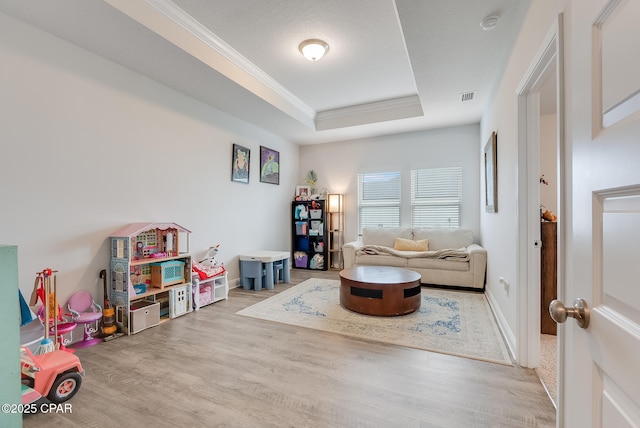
(154, 258)
(152, 291)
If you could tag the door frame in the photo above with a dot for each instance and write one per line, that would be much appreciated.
(528, 200)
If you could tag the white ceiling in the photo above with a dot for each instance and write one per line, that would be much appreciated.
(392, 66)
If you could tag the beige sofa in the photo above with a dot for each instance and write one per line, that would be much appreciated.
(452, 259)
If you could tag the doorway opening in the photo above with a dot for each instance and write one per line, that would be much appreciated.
(540, 184)
(549, 222)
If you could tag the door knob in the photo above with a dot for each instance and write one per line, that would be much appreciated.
(579, 311)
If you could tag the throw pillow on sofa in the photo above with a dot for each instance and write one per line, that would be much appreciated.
(402, 244)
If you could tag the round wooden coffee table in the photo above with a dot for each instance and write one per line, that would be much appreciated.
(380, 290)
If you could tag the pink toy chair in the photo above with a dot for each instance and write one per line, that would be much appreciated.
(63, 327)
(85, 311)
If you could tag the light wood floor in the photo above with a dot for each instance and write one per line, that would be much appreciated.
(213, 368)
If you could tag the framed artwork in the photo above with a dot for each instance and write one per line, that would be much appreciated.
(303, 191)
(269, 165)
(240, 164)
(491, 174)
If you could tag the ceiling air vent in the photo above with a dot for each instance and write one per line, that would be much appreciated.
(467, 96)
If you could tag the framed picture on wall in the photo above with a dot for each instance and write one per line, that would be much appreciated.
(303, 191)
(269, 165)
(240, 164)
(491, 174)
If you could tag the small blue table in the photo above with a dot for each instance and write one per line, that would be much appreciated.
(256, 263)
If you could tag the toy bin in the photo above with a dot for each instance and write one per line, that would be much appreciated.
(167, 273)
(144, 314)
(315, 213)
(301, 227)
(205, 296)
(301, 243)
(300, 261)
(317, 262)
(316, 228)
(140, 288)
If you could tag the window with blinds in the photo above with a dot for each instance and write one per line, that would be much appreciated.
(436, 197)
(379, 200)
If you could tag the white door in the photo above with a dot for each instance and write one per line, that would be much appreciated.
(601, 364)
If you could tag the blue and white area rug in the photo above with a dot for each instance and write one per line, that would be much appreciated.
(449, 322)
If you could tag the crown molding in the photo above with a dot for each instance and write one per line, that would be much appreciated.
(380, 111)
(172, 23)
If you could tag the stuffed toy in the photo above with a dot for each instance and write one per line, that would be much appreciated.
(549, 216)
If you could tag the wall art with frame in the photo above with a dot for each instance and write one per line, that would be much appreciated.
(303, 192)
(269, 165)
(240, 164)
(491, 173)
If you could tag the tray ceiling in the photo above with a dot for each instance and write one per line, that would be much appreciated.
(392, 66)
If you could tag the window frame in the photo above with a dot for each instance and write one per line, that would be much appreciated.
(385, 199)
(444, 201)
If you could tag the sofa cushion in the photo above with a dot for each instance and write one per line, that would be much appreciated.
(385, 236)
(381, 260)
(438, 264)
(402, 244)
(444, 238)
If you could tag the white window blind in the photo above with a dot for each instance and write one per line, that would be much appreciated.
(378, 200)
(436, 197)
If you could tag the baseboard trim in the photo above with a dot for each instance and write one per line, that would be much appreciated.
(506, 331)
(453, 287)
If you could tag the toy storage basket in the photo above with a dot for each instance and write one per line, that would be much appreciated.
(316, 227)
(206, 296)
(315, 213)
(167, 273)
(144, 314)
(317, 262)
(301, 227)
(300, 260)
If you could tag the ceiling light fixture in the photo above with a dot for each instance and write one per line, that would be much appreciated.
(489, 22)
(313, 49)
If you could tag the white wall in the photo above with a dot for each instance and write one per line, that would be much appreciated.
(499, 230)
(89, 146)
(337, 165)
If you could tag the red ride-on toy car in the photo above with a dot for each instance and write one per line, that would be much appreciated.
(56, 375)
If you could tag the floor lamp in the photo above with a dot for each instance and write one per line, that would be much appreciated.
(335, 207)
